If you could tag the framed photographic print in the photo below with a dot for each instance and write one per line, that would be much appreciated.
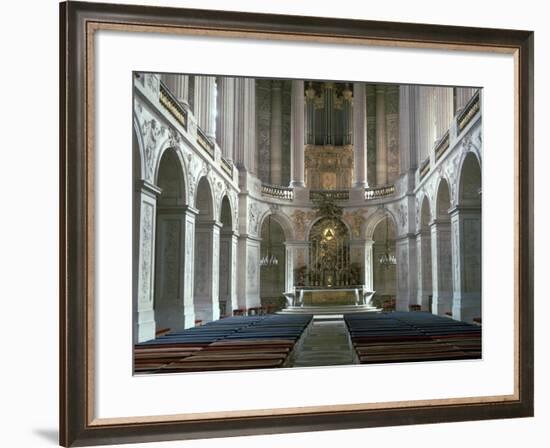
(278, 224)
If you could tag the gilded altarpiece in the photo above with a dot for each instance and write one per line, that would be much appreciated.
(328, 167)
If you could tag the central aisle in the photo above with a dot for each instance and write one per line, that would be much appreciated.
(325, 343)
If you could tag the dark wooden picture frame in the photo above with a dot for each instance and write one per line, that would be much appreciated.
(78, 22)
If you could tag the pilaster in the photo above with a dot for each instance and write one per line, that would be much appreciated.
(360, 134)
(297, 139)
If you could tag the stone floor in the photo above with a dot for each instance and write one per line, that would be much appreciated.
(326, 342)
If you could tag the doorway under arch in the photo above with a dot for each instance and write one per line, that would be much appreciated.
(226, 260)
(170, 244)
(467, 226)
(272, 264)
(442, 275)
(384, 264)
(425, 258)
(205, 297)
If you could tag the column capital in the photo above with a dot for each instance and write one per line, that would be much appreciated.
(211, 223)
(466, 209)
(148, 188)
(361, 243)
(439, 222)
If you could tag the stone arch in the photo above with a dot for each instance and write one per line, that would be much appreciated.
(204, 199)
(273, 244)
(170, 243)
(423, 204)
(384, 233)
(469, 180)
(282, 219)
(375, 219)
(467, 241)
(425, 211)
(443, 199)
(166, 146)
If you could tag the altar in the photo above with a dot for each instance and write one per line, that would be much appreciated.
(330, 296)
(334, 296)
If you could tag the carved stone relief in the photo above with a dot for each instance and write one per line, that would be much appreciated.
(355, 219)
(253, 217)
(301, 219)
(146, 239)
(152, 133)
(402, 215)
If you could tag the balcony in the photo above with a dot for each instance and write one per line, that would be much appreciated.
(227, 166)
(330, 195)
(469, 112)
(379, 192)
(205, 143)
(278, 192)
(442, 145)
(172, 105)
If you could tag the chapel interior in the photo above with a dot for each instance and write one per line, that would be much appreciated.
(296, 223)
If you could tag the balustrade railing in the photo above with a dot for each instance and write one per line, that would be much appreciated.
(424, 168)
(472, 108)
(278, 192)
(331, 195)
(442, 145)
(227, 166)
(205, 143)
(379, 192)
(172, 105)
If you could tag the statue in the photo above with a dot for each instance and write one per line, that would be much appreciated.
(327, 208)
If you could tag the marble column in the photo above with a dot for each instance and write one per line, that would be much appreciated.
(189, 267)
(362, 254)
(245, 124)
(407, 124)
(289, 267)
(466, 253)
(360, 134)
(228, 265)
(426, 122)
(347, 116)
(170, 267)
(381, 142)
(226, 117)
(328, 88)
(444, 110)
(463, 95)
(441, 267)
(234, 271)
(178, 86)
(310, 114)
(276, 132)
(145, 314)
(207, 241)
(424, 269)
(207, 117)
(405, 253)
(297, 134)
(297, 258)
(248, 279)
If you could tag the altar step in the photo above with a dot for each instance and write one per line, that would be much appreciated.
(329, 310)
